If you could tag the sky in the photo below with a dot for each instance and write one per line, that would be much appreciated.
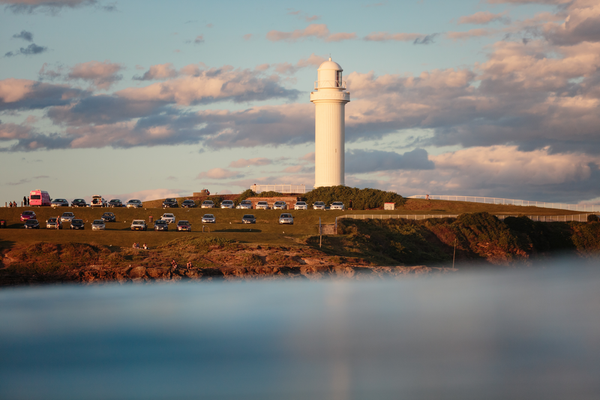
(150, 99)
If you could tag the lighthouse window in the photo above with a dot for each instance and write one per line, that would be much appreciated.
(338, 78)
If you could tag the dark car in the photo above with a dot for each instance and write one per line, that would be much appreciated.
(170, 203)
(28, 215)
(248, 219)
(161, 225)
(59, 203)
(184, 225)
(115, 203)
(78, 203)
(188, 203)
(109, 217)
(32, 224)
(77, 224)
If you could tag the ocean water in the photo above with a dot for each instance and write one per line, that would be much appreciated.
(509, 334)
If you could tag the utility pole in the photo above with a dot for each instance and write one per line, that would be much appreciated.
(454, 255)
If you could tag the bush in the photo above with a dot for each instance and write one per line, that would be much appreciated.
(592, 218)
(362, 199)
(269, 194)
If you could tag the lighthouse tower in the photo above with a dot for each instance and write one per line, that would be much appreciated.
(330, 98)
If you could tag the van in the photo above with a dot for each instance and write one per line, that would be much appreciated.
(39, 198)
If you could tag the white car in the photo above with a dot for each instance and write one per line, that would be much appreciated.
(207, 204)
(134, 203)
(67, 217)
(301, 205)
(280, 205)
(98, 225)
(169, 217)
(138, 225)
(97, 201)
(286, 218)
(319, 205)
(227, 204)
(245, 205)
(208, 219)
(337, 205)
(262, 205)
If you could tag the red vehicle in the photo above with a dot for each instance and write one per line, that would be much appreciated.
(39, 198)
(28, 215)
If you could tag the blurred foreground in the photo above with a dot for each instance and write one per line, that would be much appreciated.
(504, 334)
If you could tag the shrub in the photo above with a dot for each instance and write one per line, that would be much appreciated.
(362, 199)
(592, 218)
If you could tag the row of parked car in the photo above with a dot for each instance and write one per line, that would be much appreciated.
(162, 224)
(97, 201)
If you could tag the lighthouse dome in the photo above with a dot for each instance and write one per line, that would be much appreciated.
(330, 65)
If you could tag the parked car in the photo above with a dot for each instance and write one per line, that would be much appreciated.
(169, 217)
(318, 205)
(78, 203)
(98, 201)
(301, 205)
(227, 204)
(138, 225)
(52, 222)
(32, 224)
(248, 219)
(207, 204)
(245, 205)
(208, 219)
(114, 203)
(67, 217)
(262, 205)
(184, 225)
(170, 203)
(134, 203)
(189, 203)
(286, 218)
(161, 225)
(25, 215)
(109, 217)
(59, 203)
(98, 225)
(337, 205)
(77, 224)
(280, 205)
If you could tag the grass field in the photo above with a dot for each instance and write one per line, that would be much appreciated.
(228, 226)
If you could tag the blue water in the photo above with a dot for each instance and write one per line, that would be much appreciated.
(524, 334)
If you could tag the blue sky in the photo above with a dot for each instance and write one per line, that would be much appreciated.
(145, 99)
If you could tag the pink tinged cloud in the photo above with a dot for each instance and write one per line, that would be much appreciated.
(218, 173)
(101, 74)
(14, 131)
(398, 37)
(482, 18)
(160, 72)
(242, 162)
(479, 32)
(199, 39)
(319, 31)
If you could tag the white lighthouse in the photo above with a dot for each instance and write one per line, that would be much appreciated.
(330, 98)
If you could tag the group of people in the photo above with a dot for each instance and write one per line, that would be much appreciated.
(174, 265)
(136, 245)
(24, 203)
(12, 204)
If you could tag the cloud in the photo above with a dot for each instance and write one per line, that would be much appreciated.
(479, 32)
(159, 72)
(483, 18)
(365, 161)
(416, 38)
(199, 39)
(146, 195)
(25, 180)
(23, 94)
(50, 6)
(30, 50)
(581, 25)
(304, 16)
(212, 85)
(288, 68)
(242, 162)
(318, 31)
(28, 36)
(101, 75)
(218, 173)
(247, 36)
